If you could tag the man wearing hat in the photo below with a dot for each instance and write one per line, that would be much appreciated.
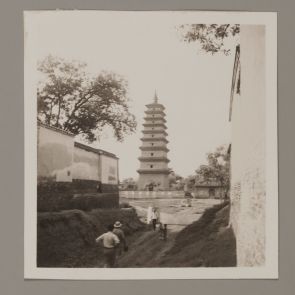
(121, 236)
(110, 243)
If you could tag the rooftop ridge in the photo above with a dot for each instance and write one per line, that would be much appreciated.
(94, 150)
(39, 123)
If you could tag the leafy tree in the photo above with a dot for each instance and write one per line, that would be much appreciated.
(176, 181)
(71, 99)
(129, 184)
(211, 37)
(190, 182)
(217, 169)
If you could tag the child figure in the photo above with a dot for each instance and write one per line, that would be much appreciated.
(163, 231)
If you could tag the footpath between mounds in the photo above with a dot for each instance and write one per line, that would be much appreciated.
(207, 242)
(66, 239)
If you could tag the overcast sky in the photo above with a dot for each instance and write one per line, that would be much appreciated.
(146, 49)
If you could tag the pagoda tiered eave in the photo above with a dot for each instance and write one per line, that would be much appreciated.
(154, 159)
(152, 139)
(154, 119)
(155, 112)
(154, 171)
(155, 125)
(154, 148)
(155, 132)
(155, 105)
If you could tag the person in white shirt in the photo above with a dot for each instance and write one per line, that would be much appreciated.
(110, 242)
(154, 218)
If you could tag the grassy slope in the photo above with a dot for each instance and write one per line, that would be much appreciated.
(146, 249)
(67, 238)
(208, 242)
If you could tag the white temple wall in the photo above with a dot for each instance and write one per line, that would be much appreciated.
(248, 196)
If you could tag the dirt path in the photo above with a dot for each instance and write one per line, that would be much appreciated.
(145, 247)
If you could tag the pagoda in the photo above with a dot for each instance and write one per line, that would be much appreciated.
(154, 171)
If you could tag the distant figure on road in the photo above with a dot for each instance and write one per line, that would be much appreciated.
(121, 236)
(110, 242)
(163, 231)
(98, 187)
(149, 214)
(154, 217)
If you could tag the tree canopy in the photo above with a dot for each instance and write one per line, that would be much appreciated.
(211, 37)
(73, 100)
(176, 181)
(129, 184)
(217, 168)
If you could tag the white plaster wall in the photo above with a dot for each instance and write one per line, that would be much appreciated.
(86, 165)
(109, 170)
(248, 151)
(55, 155)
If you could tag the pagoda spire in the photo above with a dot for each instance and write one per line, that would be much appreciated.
(156, 97)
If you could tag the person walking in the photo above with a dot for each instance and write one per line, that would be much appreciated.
(121, 236)
(110, 242)
(154, 218)
(149, 214)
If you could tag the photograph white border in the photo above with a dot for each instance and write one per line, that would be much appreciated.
(270, 270)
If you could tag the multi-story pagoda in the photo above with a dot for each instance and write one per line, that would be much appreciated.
(154, 171)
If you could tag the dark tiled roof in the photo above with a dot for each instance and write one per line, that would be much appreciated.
(155, 105)
(94, 150)
(39, 123)
(78, 144)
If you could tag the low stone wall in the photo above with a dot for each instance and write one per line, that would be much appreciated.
(84, 186)
(83, 195)
(81, 186)
(152, 194)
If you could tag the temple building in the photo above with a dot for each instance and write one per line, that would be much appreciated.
(154, 171)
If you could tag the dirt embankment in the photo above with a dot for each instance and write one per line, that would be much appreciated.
(67, 238)
(208, 242)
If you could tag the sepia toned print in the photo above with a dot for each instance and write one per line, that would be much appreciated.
(153, 148)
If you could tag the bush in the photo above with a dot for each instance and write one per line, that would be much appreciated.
(89, 202)
(56, 200)
(54, 196)
(125, 205)
(79, 194)
(67, 238)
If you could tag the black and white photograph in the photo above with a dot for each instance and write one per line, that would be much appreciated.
(150, 145)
